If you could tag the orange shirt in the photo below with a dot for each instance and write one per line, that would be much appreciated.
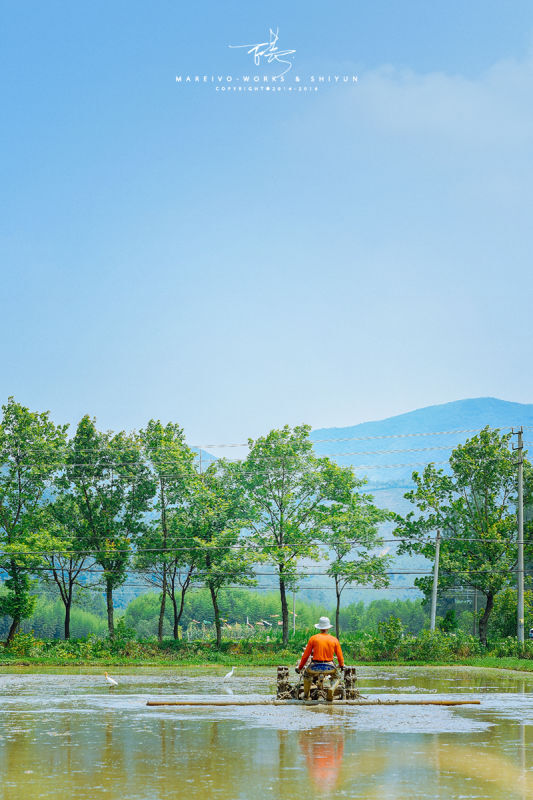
(323, 646)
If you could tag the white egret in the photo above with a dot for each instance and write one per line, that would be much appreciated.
(229, 675)
(111, 681)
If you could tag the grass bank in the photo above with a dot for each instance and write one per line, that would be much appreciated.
(205, 654)
(392, 645)
(512, 664)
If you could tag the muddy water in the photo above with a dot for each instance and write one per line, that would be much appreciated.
(67, 735)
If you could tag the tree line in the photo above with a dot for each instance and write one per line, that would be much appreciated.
(87, 509)
(240, 605)
(90, 508)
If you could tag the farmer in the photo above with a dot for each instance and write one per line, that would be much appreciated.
(321, 647)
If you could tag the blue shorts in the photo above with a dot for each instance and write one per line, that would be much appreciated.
(319, 666)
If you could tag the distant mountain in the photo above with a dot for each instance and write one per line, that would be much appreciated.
(386, 453)
(476, 412)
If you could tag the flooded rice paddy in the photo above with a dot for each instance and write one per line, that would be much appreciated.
(68, 735)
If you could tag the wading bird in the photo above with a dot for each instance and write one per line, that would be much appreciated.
(229, 675)
(111, 681)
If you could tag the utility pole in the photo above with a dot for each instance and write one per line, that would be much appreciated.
(435, 584)
(520, 513)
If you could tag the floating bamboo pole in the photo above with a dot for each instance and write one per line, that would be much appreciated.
(376, 702)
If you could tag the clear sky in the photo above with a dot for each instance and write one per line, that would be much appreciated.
(234, 262)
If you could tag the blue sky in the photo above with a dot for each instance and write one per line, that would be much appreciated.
(237, 262)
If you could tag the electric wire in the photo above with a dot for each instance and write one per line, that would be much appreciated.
(308, 573)
(120, 463)
(205, 447)
(244, 547)
(367, 438)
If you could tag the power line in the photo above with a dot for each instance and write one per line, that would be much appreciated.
(309, 572)
(363, 452)
(242, 546)
(365, 438)
(132, 475)
(146, 468)
(41, 448)
(109, 462)
(274, 589)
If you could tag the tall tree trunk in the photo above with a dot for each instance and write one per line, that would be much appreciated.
(109, 599)
(284, 611)
(182, 603)
(17, 592)
(172, 595)
(214, 600)
(163, 605)
(175, 630)
(337, 608)
(164, 585)
(65, 590)
(13, 629)
(484, 620)
(68, 606)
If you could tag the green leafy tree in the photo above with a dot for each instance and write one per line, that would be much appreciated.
(111, 488)
(351, 532)
(31, 450)
(474, 507)
(290, 492)
(65, 557)
(183, 565)
(171, 569)
(214, 520)
(162, 548)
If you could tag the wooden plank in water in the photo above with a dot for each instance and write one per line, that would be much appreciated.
(376, 702)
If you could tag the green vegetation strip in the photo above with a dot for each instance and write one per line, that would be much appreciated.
(514, 664)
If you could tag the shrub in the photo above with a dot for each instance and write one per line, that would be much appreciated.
(392, 643)
(467, 645)
(92, 647)
(25, 644)
(125, 638)
(449, 622)
(427, 646)
(391, 633)
(510, 646)
(385, 645)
